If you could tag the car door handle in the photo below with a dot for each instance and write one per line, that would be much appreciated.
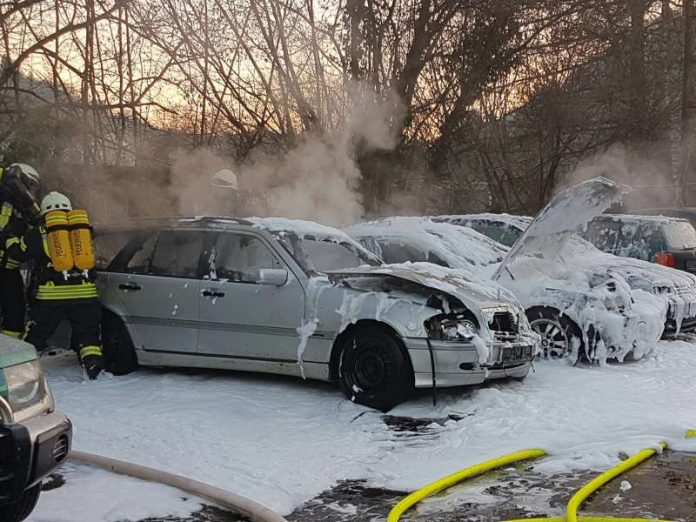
(213, 293)
(130, 286)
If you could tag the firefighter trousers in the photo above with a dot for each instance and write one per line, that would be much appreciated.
(12, 302)
(84, 316)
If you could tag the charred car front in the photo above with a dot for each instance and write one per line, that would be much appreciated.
(297, 298)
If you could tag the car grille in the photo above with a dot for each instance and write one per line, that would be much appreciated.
(60, 449)
(503, 322)
(503, 326)
(683, 291)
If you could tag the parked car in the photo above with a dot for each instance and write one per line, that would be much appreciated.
(663, 240)
(416, 239)
(296, 298)
(502, 228)
(34, 438)
(688, 213)
(576, 297)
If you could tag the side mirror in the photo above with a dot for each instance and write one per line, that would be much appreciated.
(270, 276)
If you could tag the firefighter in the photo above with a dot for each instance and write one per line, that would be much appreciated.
(62, 280)
(19, 185)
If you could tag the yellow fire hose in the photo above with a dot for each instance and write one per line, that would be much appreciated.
(584, 492)
(573, 505)
(450, 480)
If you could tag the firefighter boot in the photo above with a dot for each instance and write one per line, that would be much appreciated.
(92, 360)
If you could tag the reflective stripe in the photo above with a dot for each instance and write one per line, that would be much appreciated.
(12, 265)
(5, 215)
(50, 291)
(90, 350)
(13, 241)
(11, 333)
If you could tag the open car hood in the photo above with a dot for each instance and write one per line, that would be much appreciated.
(567, 212)
(459, 284)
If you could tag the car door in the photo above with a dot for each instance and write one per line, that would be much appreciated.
(242, 319)
(159, 287)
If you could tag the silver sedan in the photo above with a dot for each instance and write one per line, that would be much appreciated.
(297, 298)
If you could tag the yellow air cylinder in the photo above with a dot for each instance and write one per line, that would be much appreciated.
(81, 239)
(58, 239)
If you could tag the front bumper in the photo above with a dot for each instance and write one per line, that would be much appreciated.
(457, 363)
(30, 450)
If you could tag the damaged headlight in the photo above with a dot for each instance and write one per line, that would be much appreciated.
(448, 328)
(26, 385)
(662, 289)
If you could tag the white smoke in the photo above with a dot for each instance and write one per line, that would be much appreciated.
(318, 178)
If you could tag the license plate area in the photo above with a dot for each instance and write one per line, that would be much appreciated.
(513, 354)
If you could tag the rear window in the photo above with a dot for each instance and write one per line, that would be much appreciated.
(108, 244)
(178, 253)
(680, 235)
(631, 239)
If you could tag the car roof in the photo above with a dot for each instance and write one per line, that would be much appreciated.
(510, 220)
(634, 218)
(300, 228)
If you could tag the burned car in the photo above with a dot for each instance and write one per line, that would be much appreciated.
(582, 302)
(297, 298)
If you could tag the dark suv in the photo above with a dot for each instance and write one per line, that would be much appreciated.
(34, 438)
(664, 240)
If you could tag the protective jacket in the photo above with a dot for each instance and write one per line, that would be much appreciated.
(12, 298)
(46, 284)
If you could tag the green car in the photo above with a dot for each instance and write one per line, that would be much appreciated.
(34, 438)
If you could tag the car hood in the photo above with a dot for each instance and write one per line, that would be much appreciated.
(473, 292)
(637, 273)
(566, 212)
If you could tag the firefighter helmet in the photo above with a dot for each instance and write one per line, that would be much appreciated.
(20, 182)
(55, 201)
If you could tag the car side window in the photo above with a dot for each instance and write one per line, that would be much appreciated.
(605, 235)
(235, 257)
(178, 253)
(139, 263)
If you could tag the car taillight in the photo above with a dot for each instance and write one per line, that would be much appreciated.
(665, 259)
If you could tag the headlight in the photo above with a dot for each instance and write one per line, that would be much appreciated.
(662, 289)
(448, 328)
(25, 385)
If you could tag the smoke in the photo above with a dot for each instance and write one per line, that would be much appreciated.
(648, 171)
(191, 191)
(318, 179)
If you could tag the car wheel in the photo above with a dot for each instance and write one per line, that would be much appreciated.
(119, 352)
(18, 511)
(558, 333)
(374, 370)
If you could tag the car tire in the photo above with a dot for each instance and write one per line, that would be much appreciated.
(119, 352)
(21, 509)
(374, 370)
(557, 332)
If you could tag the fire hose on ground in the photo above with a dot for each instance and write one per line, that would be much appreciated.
(225, 499)
(573, 505)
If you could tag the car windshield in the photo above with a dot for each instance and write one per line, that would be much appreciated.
(501, 234)
(680, 235)
(326, 255)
